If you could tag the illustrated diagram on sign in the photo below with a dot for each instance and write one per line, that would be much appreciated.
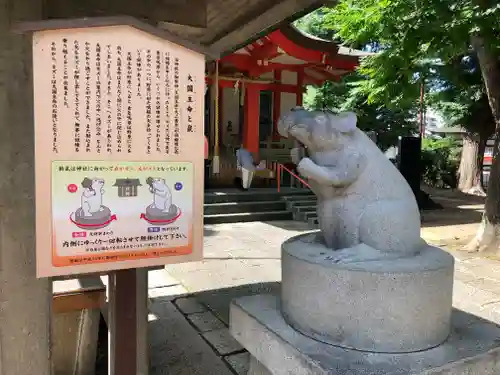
(127, 187)
(162, 211)
(92, 214)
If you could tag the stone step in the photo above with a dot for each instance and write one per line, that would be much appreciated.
(262, 195)
(308, 202)
(313, 222)
(300, 197)
(241, 207)
(297, 209)
(247, 217)
(304, 216)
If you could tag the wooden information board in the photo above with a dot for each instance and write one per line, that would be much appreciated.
(119, 149)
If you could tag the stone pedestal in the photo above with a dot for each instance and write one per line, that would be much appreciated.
(278, 349)
(390, 316)
(400, 305)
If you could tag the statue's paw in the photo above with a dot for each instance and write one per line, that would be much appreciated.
(304, 166)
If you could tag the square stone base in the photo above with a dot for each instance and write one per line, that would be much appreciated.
(473, 347)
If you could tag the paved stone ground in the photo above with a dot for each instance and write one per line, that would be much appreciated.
(190, 302)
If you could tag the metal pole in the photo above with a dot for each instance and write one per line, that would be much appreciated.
(216, 159)
(279, 177)
(421, 116)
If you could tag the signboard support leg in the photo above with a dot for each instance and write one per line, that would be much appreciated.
(128, 354)
(142, 322)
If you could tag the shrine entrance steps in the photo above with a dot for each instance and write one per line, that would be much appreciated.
(259, 204)
(303, 208)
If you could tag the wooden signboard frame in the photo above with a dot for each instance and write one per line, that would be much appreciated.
(117, 127)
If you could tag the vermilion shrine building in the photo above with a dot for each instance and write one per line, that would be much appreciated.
(248, 89)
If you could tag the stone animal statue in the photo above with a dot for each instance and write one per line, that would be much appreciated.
(366, 209)
(162, 196)
(93, 191)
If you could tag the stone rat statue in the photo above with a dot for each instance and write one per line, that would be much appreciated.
(91, 201)
(366, 209)
(162, 196)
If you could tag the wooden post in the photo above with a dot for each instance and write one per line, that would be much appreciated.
(300, 87)
(252, 109)
(276, 105)
(127, 328)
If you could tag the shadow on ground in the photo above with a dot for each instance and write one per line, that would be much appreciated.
(450, 216)
(218, 300)
(452, 194)
(458, 208)
(207, 232)
(295, 226)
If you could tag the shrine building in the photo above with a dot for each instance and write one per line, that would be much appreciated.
(248, 89)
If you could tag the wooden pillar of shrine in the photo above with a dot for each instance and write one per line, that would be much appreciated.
(252, 112)
(215, 120)
(276, 105)
(300, 87)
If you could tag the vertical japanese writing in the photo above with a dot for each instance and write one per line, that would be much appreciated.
(176, 107)
(76, 77)
(98, 98)
(139, 74)
(88, 135)
(119, 118)
(167, 103)
(129, 102)
(190, 103)
(55, 109)
(109, 130)
(177, 119)
(65, 73)
(148, 100)
(158, 102)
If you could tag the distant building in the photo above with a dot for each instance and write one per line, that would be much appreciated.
(446, 131)
(433, 120)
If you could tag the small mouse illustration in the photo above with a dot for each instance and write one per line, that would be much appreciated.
(92, 196)
(162, 196)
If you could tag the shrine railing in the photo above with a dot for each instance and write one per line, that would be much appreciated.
(295, 181)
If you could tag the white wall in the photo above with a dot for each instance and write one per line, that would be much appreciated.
(288, 101)
(288, 77)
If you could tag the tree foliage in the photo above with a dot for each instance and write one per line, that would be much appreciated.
(440, 161)
(411, 36)
(313, 23)
(458, 93)
(389, 124)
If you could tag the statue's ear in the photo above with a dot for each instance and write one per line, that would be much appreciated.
(345, 122)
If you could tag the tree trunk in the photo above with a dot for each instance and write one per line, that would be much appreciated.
(470, 170)
(488, 235)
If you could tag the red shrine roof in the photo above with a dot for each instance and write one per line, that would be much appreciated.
(290, 49)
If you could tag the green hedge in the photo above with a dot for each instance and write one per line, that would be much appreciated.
(440, 161)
